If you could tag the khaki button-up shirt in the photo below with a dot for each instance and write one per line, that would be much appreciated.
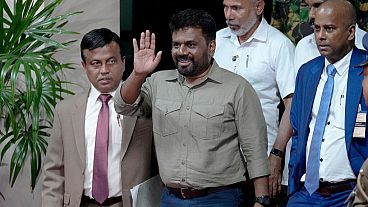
(198, 130)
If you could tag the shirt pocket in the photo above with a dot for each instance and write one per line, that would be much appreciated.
(207, 121)
(165, 116)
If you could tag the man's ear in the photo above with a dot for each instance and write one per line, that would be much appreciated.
(351, 32)
(84, 65)
(212, 48)
(260, 4)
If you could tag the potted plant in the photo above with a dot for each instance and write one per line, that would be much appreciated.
(30, 85)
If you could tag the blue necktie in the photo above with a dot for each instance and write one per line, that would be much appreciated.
(312, 174)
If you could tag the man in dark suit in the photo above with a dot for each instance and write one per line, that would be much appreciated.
(327, 152)
(95, 156)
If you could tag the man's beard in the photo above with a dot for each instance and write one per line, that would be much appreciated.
(193, 70)
(245, 28)
(187, 72)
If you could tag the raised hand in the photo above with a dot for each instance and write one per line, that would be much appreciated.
(145, 59)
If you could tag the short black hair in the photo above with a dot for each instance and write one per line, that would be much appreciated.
(99, 38)
(194, 18)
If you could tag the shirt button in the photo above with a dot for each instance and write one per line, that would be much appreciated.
(183, 180)
(188, 108)
(321, 179)
(328, 123)
(183, 162)
(323, 140)
(321, 160)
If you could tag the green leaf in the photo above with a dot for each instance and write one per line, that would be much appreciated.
(30, 85)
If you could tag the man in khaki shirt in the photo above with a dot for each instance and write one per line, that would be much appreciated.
(201, 114)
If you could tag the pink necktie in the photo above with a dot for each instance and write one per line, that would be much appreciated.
(100, 188)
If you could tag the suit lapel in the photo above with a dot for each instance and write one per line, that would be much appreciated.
(128, 125)
(353, 94)
(310, 88)
(78, 119)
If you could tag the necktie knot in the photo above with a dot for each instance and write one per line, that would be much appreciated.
(331, 70)
(105, 98)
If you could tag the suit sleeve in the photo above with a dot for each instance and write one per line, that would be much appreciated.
(53, 182)
(294, 124)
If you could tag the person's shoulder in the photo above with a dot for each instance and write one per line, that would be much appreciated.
(277, 35)
(277, 39)
(164, 73)
(360, 31)
(311, 63)
(305, 41)
(235, 78)
(223, 31)
(71, 100)
(358, 52)
(161, 75)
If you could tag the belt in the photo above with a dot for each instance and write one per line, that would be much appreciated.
(327, 188)
(188, 193)
(108, 202)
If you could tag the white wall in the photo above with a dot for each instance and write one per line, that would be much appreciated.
(96, 14)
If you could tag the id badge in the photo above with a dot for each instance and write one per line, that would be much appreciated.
(359, 128)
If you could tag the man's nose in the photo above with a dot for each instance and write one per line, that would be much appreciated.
(104, 69)
(183, 49)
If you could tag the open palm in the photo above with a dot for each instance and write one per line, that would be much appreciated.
(145, 59)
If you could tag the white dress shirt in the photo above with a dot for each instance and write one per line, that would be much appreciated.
(266, 61)
(114, 149)
(306, 49)
(334, 164)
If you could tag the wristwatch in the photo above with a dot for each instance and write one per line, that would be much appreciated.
(277, 152)
(264, 200)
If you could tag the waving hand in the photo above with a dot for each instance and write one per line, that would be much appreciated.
(145, 59)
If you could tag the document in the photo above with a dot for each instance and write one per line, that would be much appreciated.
(147, 193)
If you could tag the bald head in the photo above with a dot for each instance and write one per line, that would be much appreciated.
(344, 10)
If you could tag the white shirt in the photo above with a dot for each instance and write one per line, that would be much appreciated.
(306, 49)
(266, 61)
(114, 149)
(335, 165)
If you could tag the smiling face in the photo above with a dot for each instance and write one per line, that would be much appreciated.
(104, 67)
(334, 35)
(191, 52)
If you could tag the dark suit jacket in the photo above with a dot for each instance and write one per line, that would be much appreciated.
(65, 160)
(301, 108)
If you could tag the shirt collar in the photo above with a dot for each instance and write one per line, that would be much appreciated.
(261, 32)
(94, 93)
(342, 65)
